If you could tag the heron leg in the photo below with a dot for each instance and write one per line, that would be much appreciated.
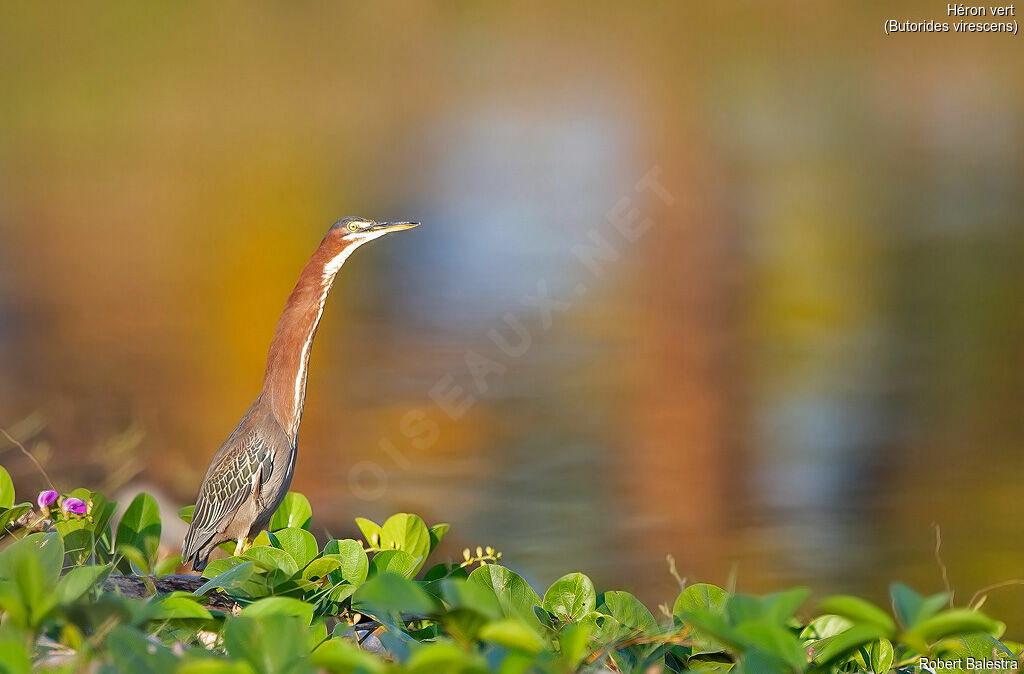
(240, 546)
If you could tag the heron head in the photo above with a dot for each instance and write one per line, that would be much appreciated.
(361, 230)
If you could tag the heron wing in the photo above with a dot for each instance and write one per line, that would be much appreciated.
(230, 481)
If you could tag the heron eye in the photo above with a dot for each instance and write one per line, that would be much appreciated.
(353, 227)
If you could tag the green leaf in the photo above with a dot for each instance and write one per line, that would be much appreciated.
(354, 563)
(232, 577)
(268, 558)
(408, 533)
(132, 558)
(391, 594)
(26, 578)
(167, 565)
(882, 656)
(513, 634)
(912, 608)
(628, 612)
(570, 597)
(294, 511)
(515, 596)
(340, 655)
(860, 612)
(394, 561)
(78, 581)
(298, 543)
(11, 515)
(443, 657)
(186, 514)
(371, 531)
(948, 623)
(766, 636)
(459, 593)
(319, 569)
(845, 643)
(705, 600)
(437, 533)
(271, 644)
(6, 489)
(279, 606)
(133, 652)
(178, 606)
(140, 528)
(209, 665)
(777, 608)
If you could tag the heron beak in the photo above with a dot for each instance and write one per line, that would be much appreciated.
(396, 226)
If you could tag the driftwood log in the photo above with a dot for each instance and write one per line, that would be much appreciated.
(137, 587)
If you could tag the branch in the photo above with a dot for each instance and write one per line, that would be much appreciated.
(135, 587)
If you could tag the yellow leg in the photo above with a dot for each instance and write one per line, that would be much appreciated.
(240, 546)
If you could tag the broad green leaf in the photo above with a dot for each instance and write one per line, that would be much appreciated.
(140, 528)
(515, 596)
(6, 489)
(459, 593)
(394, 561)
(912, 608)
(628, 612)
(977, 646)
(210, 665)
(767, 636)
(25, 582)
(132, 558)
(437, 534)
(354, 563)
(219, 566)
(271, 644)
(513, 634)
(237, 573)
(50, 550)
(882, 656)
(408, 533)
(948, 623)
(570, 597)
(860, 612)
(444, 657)
(178, 606)
(341, 655)
(294, 511)
(133, 652)
(845, 643)
(280, 606)
(11, 515)
(371, 531)
(391, 594)
(318, 569)
(463, 624)
(269, 558)
(78, 581)
(298, 543)
(777, 608)
(167, 565)
(704, 600)
(825, 626)
(186, 514)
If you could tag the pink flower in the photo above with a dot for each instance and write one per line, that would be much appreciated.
(47, 498)
(74, 505)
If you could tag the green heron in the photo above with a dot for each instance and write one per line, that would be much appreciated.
(251, 472)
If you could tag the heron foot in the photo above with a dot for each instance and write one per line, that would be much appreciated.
(241, 546)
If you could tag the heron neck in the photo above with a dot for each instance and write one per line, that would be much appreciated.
(284, 385)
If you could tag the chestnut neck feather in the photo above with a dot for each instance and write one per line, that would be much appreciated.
(284, 385)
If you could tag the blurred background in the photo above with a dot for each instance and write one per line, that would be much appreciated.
(800, 356)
